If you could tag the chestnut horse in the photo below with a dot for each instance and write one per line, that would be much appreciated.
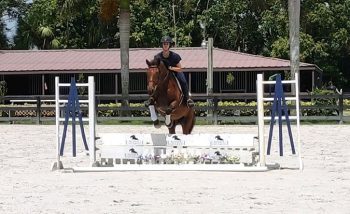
(166, 96)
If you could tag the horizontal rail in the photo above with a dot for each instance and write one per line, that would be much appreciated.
(271, 82)
(84, 119)
(283, 118)
(77, 84)
(80, 101)
(219, 113)
(220, 119)
(286, 98)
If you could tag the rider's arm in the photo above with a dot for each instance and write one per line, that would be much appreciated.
(176, 68)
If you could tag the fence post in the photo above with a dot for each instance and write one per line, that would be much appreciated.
(215, 111)
(341, 107)
(38, 110)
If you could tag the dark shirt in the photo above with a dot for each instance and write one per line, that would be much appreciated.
(172, 60)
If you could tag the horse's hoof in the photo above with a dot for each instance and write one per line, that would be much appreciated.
(167, 120)
(156, 124)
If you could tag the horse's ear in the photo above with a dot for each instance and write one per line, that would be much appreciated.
(148, 63)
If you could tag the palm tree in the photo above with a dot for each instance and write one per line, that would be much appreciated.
(124, 29)
(294, 19)
(48, 41)
(109, 9)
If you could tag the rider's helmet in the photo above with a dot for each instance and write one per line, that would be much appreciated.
(166, 39)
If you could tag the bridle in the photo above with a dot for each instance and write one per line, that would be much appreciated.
(154, 69)
(156, 82)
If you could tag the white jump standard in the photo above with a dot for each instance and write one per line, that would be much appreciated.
(261, 118)
(91, 119)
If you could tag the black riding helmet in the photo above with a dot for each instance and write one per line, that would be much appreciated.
(166, 39)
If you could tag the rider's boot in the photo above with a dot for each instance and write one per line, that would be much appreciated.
(190, 102)
(186, 93)
(183, 83)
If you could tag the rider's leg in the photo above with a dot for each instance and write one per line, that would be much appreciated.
(181, 77)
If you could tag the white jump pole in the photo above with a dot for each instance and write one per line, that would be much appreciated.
(92, 121)
(297, 104)
(58, 164)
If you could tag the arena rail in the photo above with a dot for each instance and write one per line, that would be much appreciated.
(43, 111)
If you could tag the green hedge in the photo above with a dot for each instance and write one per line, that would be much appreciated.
(239, 111)
(249, 111)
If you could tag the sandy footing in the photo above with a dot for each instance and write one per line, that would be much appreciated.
(28, 186)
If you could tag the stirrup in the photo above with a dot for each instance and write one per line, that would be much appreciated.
(190, 103)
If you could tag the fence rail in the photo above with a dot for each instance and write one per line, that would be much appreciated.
(37, 106)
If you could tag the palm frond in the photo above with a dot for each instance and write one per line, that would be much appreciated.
(45, 32)
(55, 44)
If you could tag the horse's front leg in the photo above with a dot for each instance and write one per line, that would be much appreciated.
(171, 107)
(168, 112)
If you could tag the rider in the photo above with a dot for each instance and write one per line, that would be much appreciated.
(172, 61)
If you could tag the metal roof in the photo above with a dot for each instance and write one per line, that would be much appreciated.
(108, 60)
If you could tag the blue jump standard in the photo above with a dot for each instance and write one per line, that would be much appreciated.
(279, 103)
(73, 110)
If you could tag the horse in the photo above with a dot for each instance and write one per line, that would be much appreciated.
(166, 95)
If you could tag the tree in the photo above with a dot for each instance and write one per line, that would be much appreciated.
(3, 38)
(254, 26)
(124, 29)
(38, 28)
(108, 10)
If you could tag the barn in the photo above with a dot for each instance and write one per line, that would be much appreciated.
(32, 72)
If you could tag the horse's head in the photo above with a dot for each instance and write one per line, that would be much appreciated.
(155, 74)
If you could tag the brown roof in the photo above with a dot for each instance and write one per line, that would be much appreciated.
(108, 60)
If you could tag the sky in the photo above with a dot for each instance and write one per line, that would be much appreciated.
(11, 25)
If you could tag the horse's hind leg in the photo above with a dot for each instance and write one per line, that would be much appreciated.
(187, 122)
(172, 129)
